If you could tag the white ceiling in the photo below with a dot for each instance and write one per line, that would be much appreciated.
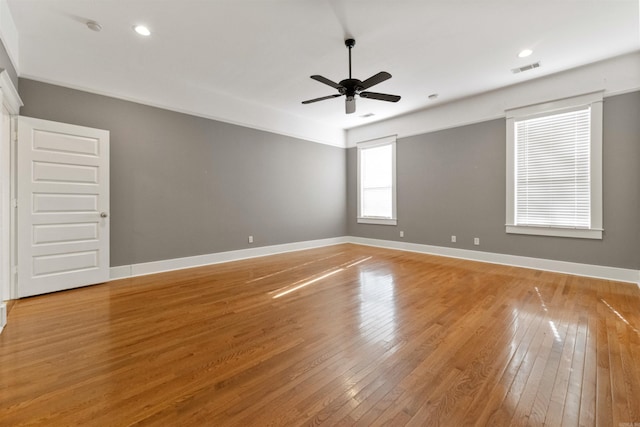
(249, 61)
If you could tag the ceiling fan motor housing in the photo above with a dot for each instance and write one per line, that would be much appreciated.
(350, 87)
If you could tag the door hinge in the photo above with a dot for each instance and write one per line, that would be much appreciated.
(14, 203)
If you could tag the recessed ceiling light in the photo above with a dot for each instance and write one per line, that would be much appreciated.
(433, 96)
(525, 53)
(142, 30)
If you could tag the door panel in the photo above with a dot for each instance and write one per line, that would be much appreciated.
(55, 172)
(63, 205)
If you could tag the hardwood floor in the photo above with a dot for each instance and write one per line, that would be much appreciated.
(344, 335)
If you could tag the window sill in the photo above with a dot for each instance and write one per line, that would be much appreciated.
(578, 233)
(379, 221)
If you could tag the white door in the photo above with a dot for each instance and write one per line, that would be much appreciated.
(63, 206)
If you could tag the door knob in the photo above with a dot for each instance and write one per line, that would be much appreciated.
(103, 214)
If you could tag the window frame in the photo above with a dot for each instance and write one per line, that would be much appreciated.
(393, 220)
(593, 100)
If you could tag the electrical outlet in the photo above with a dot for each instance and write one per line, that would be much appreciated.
(402, 234)
(453, 239)
(250, 239)
(476, 241)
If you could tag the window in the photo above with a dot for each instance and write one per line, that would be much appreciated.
(377, 181)
(554, 168)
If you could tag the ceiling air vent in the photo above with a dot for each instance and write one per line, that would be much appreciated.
(525, 68)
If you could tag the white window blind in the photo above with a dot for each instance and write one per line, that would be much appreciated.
(553, 187)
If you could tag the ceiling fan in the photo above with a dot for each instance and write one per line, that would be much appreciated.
(351, 87)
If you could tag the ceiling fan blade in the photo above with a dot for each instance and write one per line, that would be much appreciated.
(374, 80)
(321, 99)
(326, 81)
(350, 104)
(380, 96)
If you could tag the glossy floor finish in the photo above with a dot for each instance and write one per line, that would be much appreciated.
(343, 335)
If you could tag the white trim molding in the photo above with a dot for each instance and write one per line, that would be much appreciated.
(592, 102)
(10, 97)
(616, 76)
(587, 270)
(142, 269)
(3, 316)
(574, 268)
(10, 102)
(365, 145)
(189, 100)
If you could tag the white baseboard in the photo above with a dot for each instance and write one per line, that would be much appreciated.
(588, 270)
(124, 271)
(3, 316)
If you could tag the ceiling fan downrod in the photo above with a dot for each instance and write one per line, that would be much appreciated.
(350, 43)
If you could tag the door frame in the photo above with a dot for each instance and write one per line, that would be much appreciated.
(10, 102)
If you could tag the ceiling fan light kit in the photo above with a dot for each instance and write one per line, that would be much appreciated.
(351, 87)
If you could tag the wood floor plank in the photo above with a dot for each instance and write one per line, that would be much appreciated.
(630, 370)
(503, 404)
(344, 335)
(488, 397)
(534, 370)
(560, 388)
(588, 401)
(604, 409)
(618, 394)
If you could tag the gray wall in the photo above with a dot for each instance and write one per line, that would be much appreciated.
(452, 182)
(183, 185)
(6, 64)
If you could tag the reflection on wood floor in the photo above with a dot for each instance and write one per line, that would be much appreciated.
(342, 335)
